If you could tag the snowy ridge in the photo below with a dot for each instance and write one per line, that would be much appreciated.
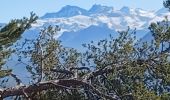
(73, 20)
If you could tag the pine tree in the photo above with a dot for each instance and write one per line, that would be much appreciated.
(9, 34)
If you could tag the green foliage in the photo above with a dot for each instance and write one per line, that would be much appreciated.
(135, 67)
(4, 73)
(13, 30)
(49, 60)
(48, 54)
(161, 32)
(9, 34)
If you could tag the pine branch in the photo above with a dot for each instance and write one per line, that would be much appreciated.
(13, 30)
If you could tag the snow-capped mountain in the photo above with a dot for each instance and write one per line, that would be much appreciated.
(67, 11)
(98, 9)
(79, 25)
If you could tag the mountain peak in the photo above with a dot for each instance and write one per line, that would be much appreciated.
(67, 11)
(97, 8)
(125, 9)
(69, 7)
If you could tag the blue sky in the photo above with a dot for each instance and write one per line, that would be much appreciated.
(10, 9)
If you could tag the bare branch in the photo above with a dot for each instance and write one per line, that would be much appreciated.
(26, 95)
(91, 75)
(80, 68)
(58, 84)
(62, 71)
(16, 79)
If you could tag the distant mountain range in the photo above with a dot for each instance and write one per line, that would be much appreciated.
(79, 25)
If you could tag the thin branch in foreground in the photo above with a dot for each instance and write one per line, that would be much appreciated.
(26, 95)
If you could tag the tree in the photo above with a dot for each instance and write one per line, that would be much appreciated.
(9, 34)
(160, 32)
(120, 70)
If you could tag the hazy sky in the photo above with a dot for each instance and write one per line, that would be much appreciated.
(10, 9)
